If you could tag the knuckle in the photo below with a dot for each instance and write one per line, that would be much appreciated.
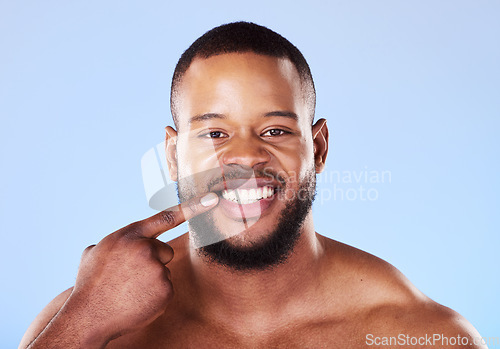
(169, 252)
(142, 248)
(129, 232)
(163, 252)
(161, 284)
(88, 248)
(133, 229)
(119, 234)
(87, 251)
(167, 217)
(170, 249)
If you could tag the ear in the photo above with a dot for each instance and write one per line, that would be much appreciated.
(170, 150)
(320, 141)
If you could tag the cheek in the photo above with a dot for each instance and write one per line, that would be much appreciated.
(193, 159)
(297, 162)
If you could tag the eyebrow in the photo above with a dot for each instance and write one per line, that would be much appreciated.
(208, 116)
(286, 114)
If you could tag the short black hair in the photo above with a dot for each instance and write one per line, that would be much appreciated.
(240, 37)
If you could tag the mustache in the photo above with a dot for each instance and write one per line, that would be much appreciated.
(230, 173)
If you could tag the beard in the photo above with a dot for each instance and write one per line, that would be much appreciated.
(268, 252)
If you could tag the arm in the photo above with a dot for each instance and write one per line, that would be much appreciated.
(43, 319)
(122, 285)
(61, 325)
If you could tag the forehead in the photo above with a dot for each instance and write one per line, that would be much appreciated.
(239, 83)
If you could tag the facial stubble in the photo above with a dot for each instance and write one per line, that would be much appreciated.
(267, 253)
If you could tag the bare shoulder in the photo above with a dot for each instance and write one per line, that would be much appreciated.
(386, 304)
(44, 317)
(369, 279)
(424, 323)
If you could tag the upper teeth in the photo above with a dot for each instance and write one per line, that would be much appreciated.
(248, 196)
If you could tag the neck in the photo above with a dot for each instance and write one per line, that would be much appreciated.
(227, 295)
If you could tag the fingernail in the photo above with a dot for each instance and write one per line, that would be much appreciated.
(209, 200)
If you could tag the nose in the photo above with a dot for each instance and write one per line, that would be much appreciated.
(248, 152)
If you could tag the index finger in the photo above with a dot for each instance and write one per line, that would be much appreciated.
(156, 225)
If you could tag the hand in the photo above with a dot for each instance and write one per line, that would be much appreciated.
(123, 283)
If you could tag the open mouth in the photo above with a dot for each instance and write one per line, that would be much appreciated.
(245, 198)
(248, 196)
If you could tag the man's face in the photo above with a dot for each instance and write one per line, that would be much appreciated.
(244, 132)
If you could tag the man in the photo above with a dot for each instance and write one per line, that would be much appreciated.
(251, 272)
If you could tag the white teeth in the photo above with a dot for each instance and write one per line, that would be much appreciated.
(230, 195)
(248, 196)
(266, 192)
(270, 191)
(252, 194)
(259, 193)
(243, 195)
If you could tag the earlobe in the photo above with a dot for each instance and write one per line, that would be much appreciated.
(320, 144)
(171, 151)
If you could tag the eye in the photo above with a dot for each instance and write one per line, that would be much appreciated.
(214, 134)
(275, 132)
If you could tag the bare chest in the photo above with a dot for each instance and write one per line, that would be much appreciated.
(192, 334)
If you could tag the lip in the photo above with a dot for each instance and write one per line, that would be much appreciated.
(254, 210)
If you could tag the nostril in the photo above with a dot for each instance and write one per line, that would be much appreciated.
(246, 155)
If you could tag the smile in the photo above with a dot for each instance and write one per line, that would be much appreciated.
(248, 196)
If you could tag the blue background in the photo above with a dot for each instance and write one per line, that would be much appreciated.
(410, 87)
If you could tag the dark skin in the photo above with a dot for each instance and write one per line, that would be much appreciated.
(327, 294)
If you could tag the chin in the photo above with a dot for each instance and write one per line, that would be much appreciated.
(249, 238)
